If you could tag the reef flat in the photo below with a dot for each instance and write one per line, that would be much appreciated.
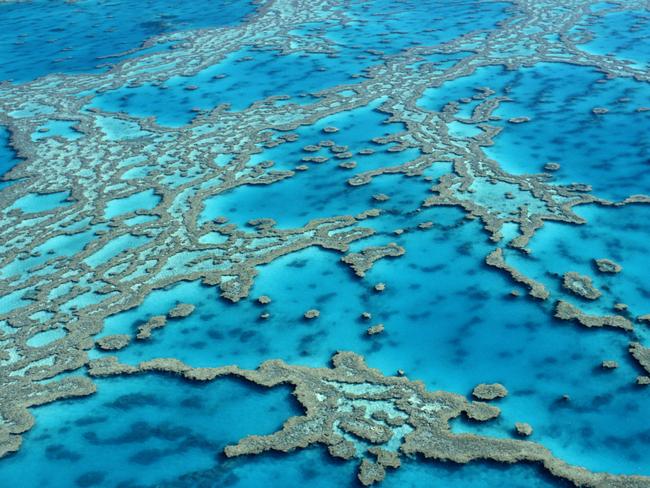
(412, 163)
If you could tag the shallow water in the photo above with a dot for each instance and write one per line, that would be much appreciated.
(621, 34)
(609, 151)
(234, 81)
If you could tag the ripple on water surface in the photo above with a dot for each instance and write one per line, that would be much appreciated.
(42, 37)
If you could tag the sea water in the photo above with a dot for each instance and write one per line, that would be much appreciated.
(450, 320)
(44, 37)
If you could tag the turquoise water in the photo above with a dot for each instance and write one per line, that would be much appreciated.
(609, 151)
(602, 240)
(114, 248)
(44, 338)
(144, 200)
(322, 190)
(61, 245)
(234, 81)
(390, 27)
(103, 150)
(57, 128)
(41, 202)
(621, 34)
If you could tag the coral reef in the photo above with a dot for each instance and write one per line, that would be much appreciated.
(608, 266)
(362, 261)
(114, 342)
(489, 391)
(358, 413)
(59, 260)
(523, 429)
(535, 288)
(566, 311)
(580, 285)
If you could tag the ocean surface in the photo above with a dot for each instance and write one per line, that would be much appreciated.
(396, 145)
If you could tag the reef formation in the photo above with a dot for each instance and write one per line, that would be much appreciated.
(358, 413)
(98, 218)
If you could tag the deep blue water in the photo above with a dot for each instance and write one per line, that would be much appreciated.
(8, 157)
(113, 439)
(40, 37)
